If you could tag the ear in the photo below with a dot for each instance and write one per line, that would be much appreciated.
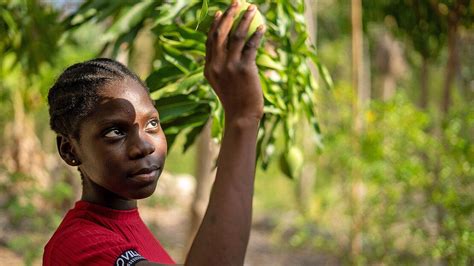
(66, 150)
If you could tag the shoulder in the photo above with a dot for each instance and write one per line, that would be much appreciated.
(84, 242)
(79, 232)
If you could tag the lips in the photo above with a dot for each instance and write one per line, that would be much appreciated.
(146, 170)
(146, 174)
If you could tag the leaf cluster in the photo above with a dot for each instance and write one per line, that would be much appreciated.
(183, 97)
(28, 29)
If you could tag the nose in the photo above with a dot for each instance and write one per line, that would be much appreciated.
(140, 146)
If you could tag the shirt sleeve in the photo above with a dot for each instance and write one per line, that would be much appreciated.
(92, 246)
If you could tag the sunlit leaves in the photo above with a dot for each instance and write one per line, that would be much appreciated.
(184, 99)
(22, 25)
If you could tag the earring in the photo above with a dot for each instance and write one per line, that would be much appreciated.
(73, 161)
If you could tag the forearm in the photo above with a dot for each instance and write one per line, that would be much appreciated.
(223, 236)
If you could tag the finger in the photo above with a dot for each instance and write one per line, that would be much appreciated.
(210, 33)
(237, 38)
(225, 25)
(250, 49)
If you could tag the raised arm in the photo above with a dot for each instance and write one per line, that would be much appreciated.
(232, 72)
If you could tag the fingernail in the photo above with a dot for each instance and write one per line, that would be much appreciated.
(261, 28)
(235, 3)
(251, 7)
(218, 14)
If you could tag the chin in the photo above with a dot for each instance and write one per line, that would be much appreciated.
(143, 192)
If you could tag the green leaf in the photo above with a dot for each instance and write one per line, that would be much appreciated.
(87, 11)
(183, 85)
(170, 138)
(181, 123)
(217, 125)
(192, 135)
(191, 80)
(173, 111)
(265, 146)
(128, 20)
(168, 89)
(323, 71)
(176, 106)
(266, 61)
(300, 42)
(310, 114)
(157, 79)
(169, 11)
(180, 32)
(202, 13)
(178, 59)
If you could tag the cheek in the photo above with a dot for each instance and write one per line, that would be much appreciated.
(165, 145)
(101, 161)
(161, 144)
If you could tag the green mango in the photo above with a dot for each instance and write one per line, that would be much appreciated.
(257, 20)
(291, 162)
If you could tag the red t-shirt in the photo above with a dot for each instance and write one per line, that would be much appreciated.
(91, 234)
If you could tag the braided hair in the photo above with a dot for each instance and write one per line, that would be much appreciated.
(77, 91)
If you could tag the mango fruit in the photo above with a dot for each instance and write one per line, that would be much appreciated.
(257, 20)
(291, 162)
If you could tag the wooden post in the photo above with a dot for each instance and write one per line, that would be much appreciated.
(362, 97)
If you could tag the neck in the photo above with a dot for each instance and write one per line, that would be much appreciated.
(99, 195)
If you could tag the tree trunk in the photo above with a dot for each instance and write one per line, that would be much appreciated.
(359, 78)
(362, 94)
(424, 93)
(451, 70)
(451, 66)
(305, 185)
(390, 64)
(311, 18)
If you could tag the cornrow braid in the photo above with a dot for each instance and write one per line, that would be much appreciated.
(77, 90)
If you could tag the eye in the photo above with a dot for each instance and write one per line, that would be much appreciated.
(153, 125)
(114, 133)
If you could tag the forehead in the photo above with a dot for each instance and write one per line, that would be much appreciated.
(126, 89)
(124, 99)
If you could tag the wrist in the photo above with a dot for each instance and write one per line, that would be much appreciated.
(242, 122)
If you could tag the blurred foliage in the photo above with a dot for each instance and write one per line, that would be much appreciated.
(35, 190)
(423, 24)
(31, 212)
(183, 97)
(23, 23)
(396, 159)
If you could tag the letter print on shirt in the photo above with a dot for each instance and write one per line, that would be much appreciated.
(128, 258)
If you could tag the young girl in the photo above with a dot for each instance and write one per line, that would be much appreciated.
(108, 127)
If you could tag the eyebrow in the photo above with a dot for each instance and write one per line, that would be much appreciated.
(114, 120)
(152, 112)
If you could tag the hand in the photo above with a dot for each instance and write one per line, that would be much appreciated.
(230, 64)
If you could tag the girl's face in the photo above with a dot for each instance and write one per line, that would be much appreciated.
(122, 147)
